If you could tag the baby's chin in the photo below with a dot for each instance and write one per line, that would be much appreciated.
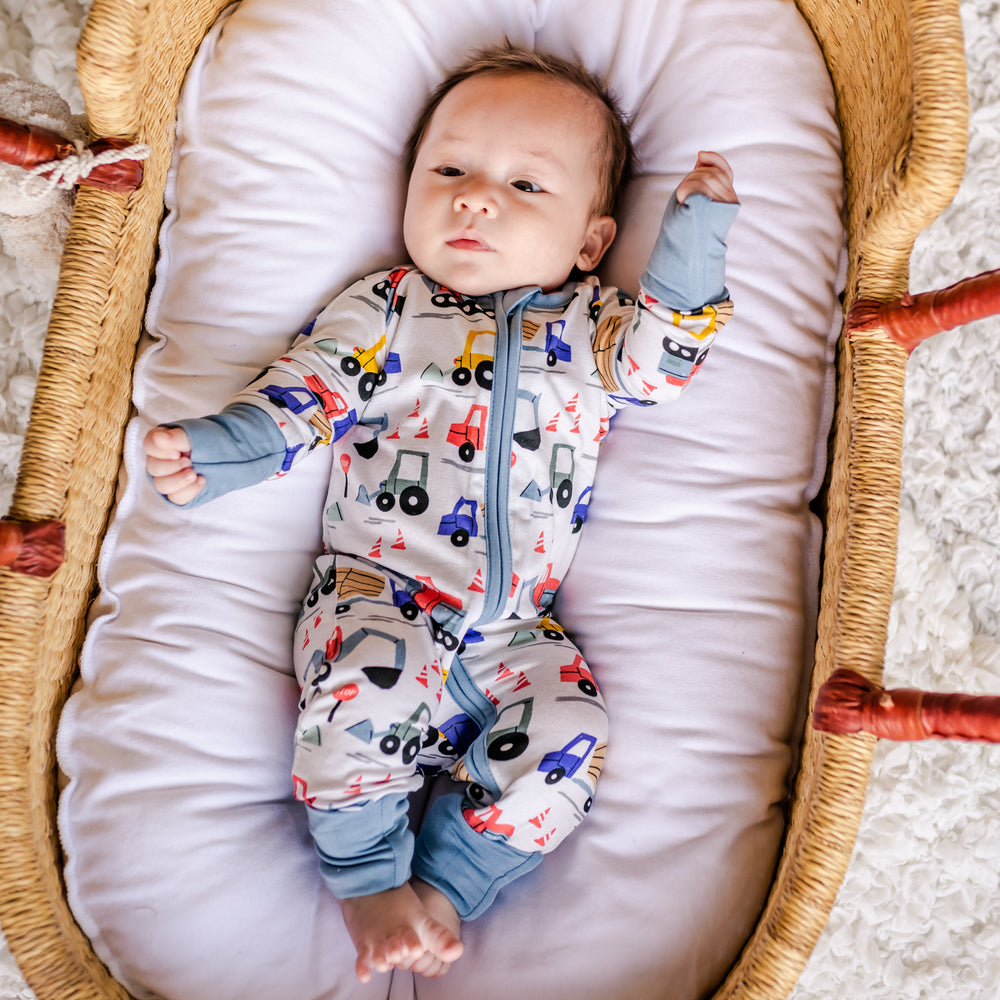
(474, 290)
(467, 275)
(473, 282)
(463, 288)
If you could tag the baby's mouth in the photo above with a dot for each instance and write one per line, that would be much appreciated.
(469, 241)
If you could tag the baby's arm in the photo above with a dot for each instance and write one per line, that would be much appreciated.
(683, 301)
(193, 461)
(687, 268)
(301, 401)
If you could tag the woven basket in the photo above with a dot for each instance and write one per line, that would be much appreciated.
(899, 76)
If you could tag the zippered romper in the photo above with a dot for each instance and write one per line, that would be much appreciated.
(467, 431)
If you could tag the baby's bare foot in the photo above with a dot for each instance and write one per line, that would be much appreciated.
(395, 929)
(441, 910)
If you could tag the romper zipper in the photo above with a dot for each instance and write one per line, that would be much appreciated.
(499, 445)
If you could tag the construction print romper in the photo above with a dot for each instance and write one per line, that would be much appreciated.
(466, 432)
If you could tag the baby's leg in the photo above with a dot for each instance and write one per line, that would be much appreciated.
(370, 681)
(412, 927)
(532, 771)
(369, 676)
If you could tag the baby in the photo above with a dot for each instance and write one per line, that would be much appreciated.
(466, 397)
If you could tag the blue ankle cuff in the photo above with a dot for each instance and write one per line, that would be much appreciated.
(469, 868)
(363, 851)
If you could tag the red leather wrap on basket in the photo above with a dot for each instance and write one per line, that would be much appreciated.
(914, 318)
(35, 549)
(29, 146)
(850, 703)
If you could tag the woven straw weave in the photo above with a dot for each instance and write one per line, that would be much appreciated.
(899, 75)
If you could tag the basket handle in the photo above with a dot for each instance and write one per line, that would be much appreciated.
(914, 318)
(850, 703)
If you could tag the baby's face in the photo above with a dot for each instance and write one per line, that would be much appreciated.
(504, 184)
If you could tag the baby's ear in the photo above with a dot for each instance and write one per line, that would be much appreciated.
(600, 232)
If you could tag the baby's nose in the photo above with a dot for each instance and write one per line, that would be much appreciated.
(476, 198)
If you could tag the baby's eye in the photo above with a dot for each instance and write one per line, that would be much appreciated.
(449, 171)
(530, 186)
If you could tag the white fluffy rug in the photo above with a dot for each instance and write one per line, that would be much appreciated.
(919, 912)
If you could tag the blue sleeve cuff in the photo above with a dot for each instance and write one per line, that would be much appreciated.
(239, 447)
(687, 268)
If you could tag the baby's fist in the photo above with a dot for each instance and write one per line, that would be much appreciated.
(168, 462)
(712, 176)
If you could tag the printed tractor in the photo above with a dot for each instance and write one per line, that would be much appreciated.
(444, 610)
(577, 673)
(545, 590)
(300, 399)
(566, 762)
(412, 492)
(409, 734)
(459, 525)
(556, 349)
(469, 437)
(561, 470)
(365, 361)
(511, 741)
(457, 734)
(469, 364)
(580, 509)
(679, 362)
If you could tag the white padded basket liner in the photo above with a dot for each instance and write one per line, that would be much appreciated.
(693, 593)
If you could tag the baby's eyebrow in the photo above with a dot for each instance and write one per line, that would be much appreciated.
(549, 159)
(546, 156)
(455, 143)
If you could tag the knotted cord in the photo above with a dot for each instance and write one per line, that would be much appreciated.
(67, 172)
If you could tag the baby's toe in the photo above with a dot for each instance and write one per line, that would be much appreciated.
(400, 947)
(430, 966)
(363, 968)
(443, 942)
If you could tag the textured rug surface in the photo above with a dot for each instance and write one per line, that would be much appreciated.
(918, 916)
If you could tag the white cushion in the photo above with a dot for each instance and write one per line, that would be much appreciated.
(693, 593)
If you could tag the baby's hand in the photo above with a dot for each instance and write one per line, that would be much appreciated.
(168, 461)
(712, 176)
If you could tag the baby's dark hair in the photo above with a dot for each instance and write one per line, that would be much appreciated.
(617, 158)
